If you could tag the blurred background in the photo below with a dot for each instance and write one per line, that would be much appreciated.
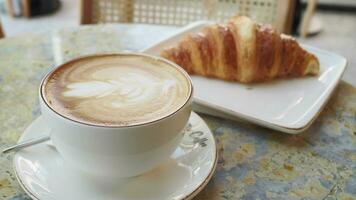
(327, 24)
(60, 14)
(21, 16)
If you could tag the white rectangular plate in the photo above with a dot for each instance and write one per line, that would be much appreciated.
(287, 105)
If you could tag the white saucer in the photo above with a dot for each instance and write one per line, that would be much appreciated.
(43, 175)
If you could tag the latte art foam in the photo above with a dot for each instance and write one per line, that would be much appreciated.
(116, 90)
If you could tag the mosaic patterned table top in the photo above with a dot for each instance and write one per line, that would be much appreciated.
(254, 162)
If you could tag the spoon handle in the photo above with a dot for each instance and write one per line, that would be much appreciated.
(26, 143)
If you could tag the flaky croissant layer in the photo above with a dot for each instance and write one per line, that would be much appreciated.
(242, 50)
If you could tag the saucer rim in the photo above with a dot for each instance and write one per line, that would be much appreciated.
(189, 196)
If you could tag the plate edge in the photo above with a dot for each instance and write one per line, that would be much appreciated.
(212, 170)
(275, 126)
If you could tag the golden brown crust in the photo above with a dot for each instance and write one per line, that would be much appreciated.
(204, 52)
(265, 50)
(277, 60)
(229, 52)
(212, 52)
(243, 51)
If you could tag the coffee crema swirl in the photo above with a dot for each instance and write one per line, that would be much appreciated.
(116, 90)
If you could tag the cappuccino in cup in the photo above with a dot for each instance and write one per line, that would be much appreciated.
(116, 115)
(116, 90)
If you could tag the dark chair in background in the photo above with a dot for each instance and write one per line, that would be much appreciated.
(31, 8)
(1, 31)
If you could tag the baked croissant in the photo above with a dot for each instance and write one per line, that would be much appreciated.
(243, 51)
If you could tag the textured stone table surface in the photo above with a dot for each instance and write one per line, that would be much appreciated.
(254, 162)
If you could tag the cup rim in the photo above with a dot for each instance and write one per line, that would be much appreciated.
(160, 59)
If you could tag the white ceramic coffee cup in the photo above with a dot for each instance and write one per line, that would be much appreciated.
(122, 151)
